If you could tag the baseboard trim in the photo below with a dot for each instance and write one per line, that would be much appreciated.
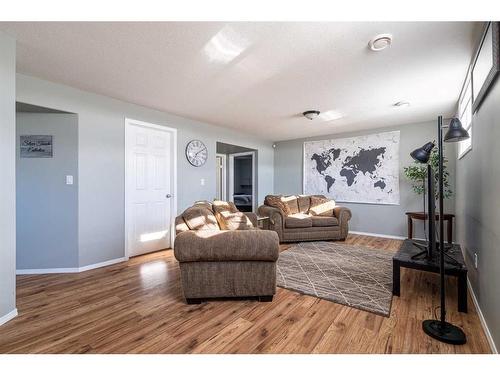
(481, 319)
(9, 316)
(70, 270)
(36, 271)
(379, 235)
(102, 264)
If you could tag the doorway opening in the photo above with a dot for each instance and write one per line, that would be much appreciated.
(237, 176)
(46, 189)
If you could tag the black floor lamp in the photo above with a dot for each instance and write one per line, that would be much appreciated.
(440, 329)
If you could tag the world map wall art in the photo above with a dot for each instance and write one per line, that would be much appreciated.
(361, 169)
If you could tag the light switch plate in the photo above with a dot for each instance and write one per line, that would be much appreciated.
(69, 180)
(202, 181)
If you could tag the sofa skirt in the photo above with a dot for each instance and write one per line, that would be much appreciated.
(228, 279)
(313, 234)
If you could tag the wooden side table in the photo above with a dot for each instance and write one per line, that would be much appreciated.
(423, 216)
(263, 222)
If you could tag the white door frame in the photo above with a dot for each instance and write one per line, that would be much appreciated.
(224, 175)
(173, 181)
(231, 177)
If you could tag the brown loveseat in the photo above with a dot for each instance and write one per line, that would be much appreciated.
(305, 217)
(222, 253)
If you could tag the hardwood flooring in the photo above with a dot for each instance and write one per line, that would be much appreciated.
(137, 307)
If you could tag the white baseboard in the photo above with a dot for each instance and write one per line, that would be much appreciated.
(386, 236)
(482, 320)
(4, 319)
(379, 235)
(70, 270)
(102, 264)
(38, 271)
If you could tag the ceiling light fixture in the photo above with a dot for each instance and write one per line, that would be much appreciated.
(330, 115)
(311, 115)
(380, 42)
(401, 104)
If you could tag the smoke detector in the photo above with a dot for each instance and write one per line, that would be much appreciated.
(380, 42)
(311, 115)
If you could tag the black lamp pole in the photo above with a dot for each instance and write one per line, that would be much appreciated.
(440, 329)
(441, 221)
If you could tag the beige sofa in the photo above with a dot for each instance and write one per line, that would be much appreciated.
(217, 263)
(302, 225)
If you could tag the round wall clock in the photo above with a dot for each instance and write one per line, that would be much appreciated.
(196, 153)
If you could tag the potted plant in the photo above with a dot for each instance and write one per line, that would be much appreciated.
(417, 173)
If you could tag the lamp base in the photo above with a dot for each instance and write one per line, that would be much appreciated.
(444, 332)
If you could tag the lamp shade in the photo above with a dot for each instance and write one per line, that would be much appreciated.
(456, 132)
(423, 153)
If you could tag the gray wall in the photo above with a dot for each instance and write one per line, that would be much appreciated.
(101, 160)
(47, 208)
(7, 170)
(478, 208)
(370, 218)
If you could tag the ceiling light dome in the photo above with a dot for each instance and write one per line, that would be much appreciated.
(380, 42)
(311, 115)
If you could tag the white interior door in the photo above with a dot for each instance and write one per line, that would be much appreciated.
(149, 193)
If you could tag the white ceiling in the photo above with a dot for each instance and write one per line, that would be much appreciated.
(258, 77)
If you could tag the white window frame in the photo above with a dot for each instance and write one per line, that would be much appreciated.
(465, 113)
(224, 176)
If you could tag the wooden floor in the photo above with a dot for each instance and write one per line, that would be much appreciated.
(137, 307)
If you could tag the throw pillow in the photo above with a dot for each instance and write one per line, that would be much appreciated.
(291, 202)
(321, 206)
(276, 202)
(200, 218)
(229, 217)
(205, 204)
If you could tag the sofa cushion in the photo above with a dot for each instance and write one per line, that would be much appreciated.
(200, 218)
(229, 217)
(291, 202)
(298, 221)
(324, 221)
(276, 202)
(321, 206)
(304, 202)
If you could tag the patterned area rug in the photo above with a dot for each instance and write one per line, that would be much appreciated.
(350, 275)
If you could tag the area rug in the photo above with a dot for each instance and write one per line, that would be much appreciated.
(347, 274)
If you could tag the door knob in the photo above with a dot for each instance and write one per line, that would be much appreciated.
(168, 195)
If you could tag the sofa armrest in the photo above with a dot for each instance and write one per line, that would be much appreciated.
(276, 219)
(226, 245)
(342, 213)
(276, 216)
(252, 216)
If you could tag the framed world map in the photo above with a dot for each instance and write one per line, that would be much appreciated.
(362, 169)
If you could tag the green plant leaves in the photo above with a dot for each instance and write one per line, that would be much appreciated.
(417, 173)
